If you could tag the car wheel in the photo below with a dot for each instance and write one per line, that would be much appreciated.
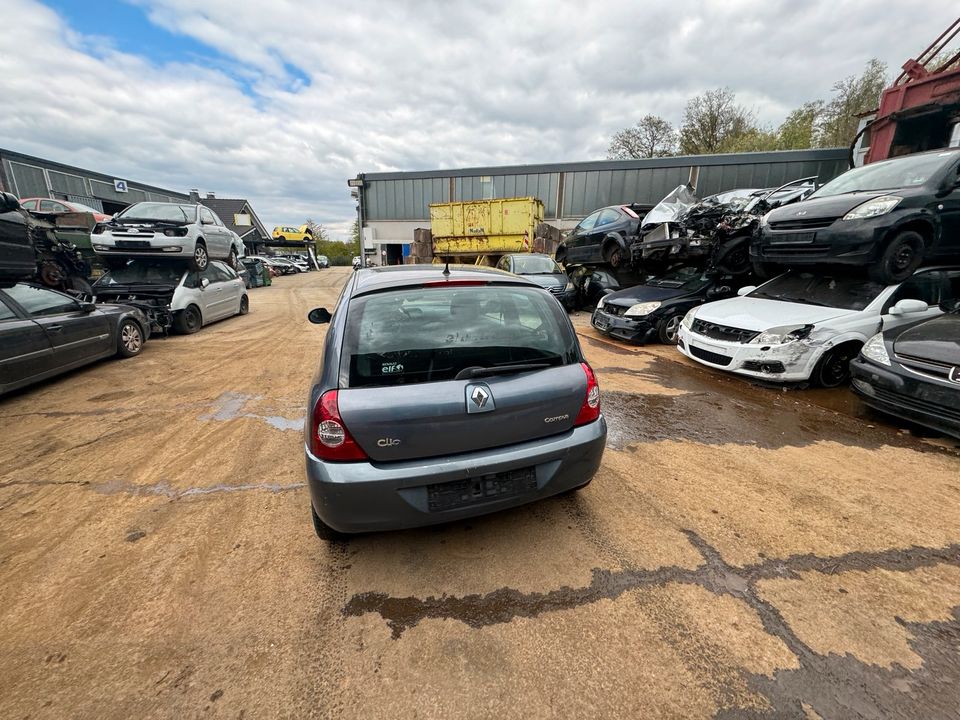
(561, 255)
(282, 238)
(833, 370)
(188, 321)
(129, 338)
(232, 258)
(200, 259)
(735, 258)
(324, 531)
(613, 255)
(902, 255)
(669, 327)
(244, 305)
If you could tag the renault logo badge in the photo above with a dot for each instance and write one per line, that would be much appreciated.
(479, 398)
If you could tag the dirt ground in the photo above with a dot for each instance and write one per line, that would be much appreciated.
(744, 552)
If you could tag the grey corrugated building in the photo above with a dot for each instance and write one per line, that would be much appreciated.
(393, 204)
(29, 176)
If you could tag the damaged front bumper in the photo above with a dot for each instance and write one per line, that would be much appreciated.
(788, 362)
(638, 330)
(155, 305)
(665, 242)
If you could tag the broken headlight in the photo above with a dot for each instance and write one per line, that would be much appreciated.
(641, 309)
(872, 208)
(876, 351)
(687, 321)
(782, 335)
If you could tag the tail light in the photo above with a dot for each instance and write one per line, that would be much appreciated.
(329, 437)
(590, 410)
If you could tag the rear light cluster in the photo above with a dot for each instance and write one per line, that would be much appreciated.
(329, 437)
(590, 410)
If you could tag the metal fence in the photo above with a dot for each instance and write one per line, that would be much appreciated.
(573, 190)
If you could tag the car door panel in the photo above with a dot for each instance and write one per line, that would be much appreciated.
(77, 336)
(25, 351)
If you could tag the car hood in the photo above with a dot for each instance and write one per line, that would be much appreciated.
(643, 293)
(547, 281)
(937, 340)
(759, 314)
(832, 206)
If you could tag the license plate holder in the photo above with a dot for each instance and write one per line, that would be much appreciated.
(133, 244)
(485, 488)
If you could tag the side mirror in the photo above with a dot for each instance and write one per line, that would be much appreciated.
(319, 316)
(907, 306)
(746, 290)
(204, 283)
(8, 202)
(87, 307)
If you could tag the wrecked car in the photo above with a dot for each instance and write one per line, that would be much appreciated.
(653, 310)
(171, 294)
(889, 216)
(715, 232)
(603, 237)
(806, 327)
(45, 332)
(31, 249)
(913, 372)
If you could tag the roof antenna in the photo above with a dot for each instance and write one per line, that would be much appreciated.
(446, 269)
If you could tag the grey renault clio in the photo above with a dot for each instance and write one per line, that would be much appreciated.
(445, 393)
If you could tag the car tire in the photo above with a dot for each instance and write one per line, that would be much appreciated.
(244, 305)
(281, 238)
(901, 256)
(669, 327)
(561, 255)
(613, 254)
(833, 369)
(200, 258)
(734, 258)
(188, 321)
(232, 258)
(129, 338)
(324, 531)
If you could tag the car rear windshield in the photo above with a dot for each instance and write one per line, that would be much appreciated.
(888, 175)
(535, 265)
(420, 335)
(847, 293)
(160, 211)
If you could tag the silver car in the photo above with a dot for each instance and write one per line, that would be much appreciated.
(194, 298)
(444, 395)
(175, 230)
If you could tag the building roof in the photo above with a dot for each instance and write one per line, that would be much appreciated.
(227, 208)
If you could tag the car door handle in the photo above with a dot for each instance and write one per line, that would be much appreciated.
(54, 328)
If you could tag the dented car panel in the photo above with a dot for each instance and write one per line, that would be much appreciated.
(775, 336)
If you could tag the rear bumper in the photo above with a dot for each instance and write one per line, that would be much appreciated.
(905, 396)
(366, 496)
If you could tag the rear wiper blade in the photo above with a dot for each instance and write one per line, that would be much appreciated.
(476, 371)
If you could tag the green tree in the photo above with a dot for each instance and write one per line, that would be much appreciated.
(852, 96)
(652, 136)
(318, 231)
(714, 123)
(798, 130)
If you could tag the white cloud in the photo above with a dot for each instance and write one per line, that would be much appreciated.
(413, 85)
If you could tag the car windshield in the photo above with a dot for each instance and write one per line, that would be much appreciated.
(140, 272)
(431, 334)
(847, 293)
(901, 172)
(535, 265)
(687, 278)
(160, 211)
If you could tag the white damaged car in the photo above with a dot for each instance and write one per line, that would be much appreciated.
(804, 326)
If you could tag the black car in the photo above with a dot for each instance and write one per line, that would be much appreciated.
(913, 372)
(604, 236)
(544, 271)
(44, 332)
(654, 309)
(590, 283)
(17, 258)
(889, 216)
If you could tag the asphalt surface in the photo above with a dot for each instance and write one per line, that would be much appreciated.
(743, 552)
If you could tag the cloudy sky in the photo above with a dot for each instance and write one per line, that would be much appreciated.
(282, 101)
